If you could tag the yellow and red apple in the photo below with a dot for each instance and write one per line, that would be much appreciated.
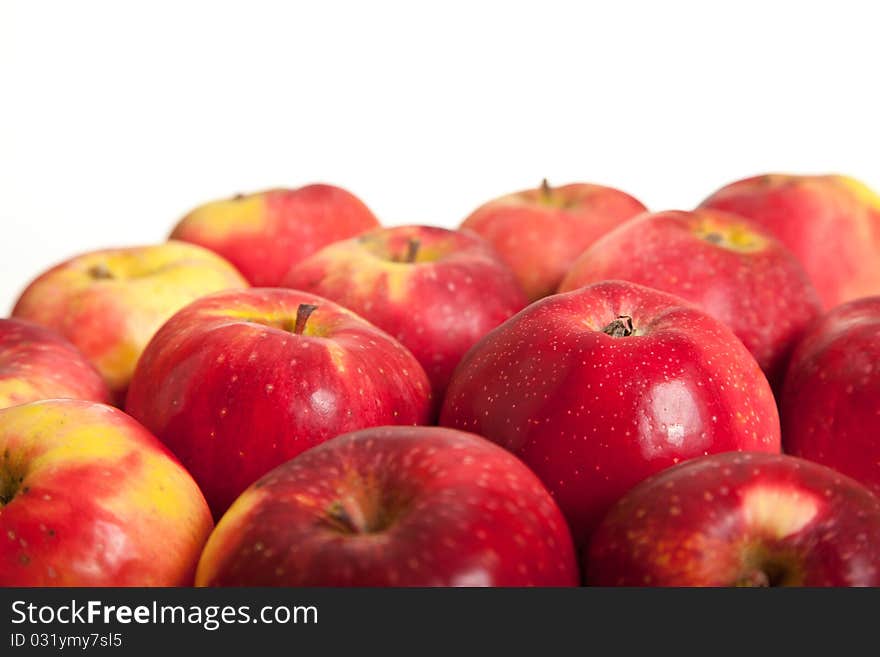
(438, 291)
(88, 497)
(36, 363)
(264, 233)
(109, 303)
(831, 223)
(540, 232)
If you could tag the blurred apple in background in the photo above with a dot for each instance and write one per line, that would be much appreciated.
(830, 223)
(89, 498)
(598, 388)
(264, 233)
(109, 303)
(239, 382)
(731, 268)
(398, 506)
(740, 520)
(36, 363)
(539, 232)
(830, 406)
(438, 291)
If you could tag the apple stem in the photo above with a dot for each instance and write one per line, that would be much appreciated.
(620, 327)
(302, 316)
(546, 190)
(412, 250)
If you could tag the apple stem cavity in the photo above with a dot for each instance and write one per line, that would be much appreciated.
(348, 515)
(303, 311)
(100, 272)
(9, 485)
(754, 579)
(621, 327)
(770, 573)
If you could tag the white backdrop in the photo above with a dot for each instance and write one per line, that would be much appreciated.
(117, 117)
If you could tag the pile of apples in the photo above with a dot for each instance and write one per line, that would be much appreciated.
(567, 390)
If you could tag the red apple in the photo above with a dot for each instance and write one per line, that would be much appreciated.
(110, 302)
(540, 232)
(394, 506)
(831, 223)
(36, 363)
(265, 232)
(239, 382)
(89, 498)
(740, 520)
(438, 291)
(729, 267)
(830, 407)
(598, 388)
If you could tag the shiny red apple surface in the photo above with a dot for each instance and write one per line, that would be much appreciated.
(239, 382)
(830, 406)
(394, 506)
(730, 267)
(740, 520)
(598, 388)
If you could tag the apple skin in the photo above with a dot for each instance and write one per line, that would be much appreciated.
(830, 407)
(455, 291)
(394, 506)
(233, 390)
(539, 232)
(36, 363)
(89, 498)
(594, 414)
(265, 232)
(831, 223)
(731, 268)
(740, 519)
(109, 303)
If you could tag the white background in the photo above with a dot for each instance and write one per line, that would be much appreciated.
(117, 117)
